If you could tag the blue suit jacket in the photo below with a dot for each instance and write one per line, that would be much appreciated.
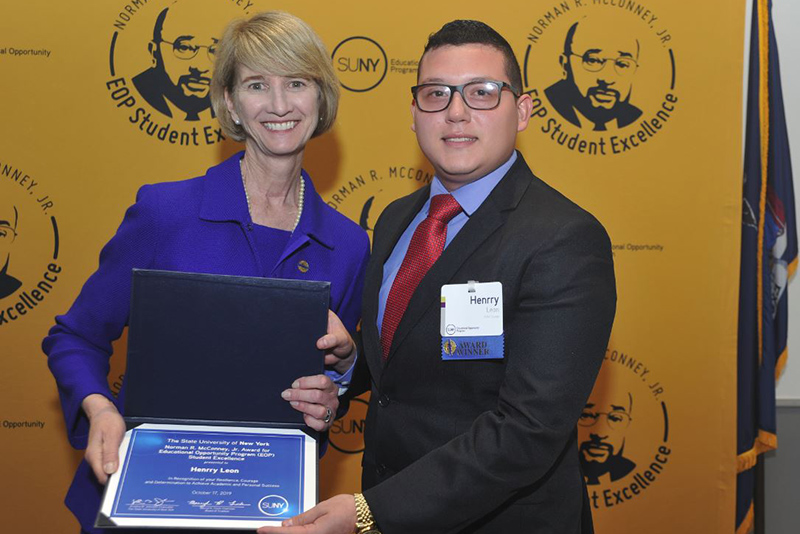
(197, 225)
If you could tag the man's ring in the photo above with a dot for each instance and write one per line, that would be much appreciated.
(328, 415)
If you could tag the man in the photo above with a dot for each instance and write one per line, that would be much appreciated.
(602, 443)
(182, 54)
(598, 66)
(9, 216)
(476, 445)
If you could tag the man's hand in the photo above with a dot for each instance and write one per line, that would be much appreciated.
(340, 351)
(337, 515)
(317, 397)
(106, 430)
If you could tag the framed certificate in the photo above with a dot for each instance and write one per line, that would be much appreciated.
(192, 476)
(211, 443)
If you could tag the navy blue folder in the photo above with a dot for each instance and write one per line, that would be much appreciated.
(220, 348)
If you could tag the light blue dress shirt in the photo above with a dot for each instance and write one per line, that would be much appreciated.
(469, 197)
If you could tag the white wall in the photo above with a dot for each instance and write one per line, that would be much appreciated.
(786, 18)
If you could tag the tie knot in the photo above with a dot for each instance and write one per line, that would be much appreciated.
(443, 208)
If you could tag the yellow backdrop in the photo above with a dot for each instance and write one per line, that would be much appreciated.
(78, 138)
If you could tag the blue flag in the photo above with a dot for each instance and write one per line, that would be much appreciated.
(768, 261)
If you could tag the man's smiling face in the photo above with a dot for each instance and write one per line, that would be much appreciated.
(465, 144)
(595, 45)
(8, 231)
(186, 30)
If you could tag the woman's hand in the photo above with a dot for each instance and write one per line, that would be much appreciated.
(106, 430)
(317, 397)
(340, 351)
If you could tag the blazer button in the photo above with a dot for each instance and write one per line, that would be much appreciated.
(383, 401)
(381, 470)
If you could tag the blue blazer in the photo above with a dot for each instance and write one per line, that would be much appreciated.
(198, 225)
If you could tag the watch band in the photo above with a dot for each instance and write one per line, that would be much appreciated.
(365, 523)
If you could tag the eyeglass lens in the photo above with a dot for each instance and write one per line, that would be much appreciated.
(615, 419)
(594, 63)
(188, 48)
(477, 95)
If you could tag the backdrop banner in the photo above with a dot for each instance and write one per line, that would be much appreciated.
(647, 138)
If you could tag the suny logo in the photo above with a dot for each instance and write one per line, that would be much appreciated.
(273, 505)
(361, 63)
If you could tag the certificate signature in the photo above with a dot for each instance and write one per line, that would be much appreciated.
(218, 505)
(159, 504)
(155, 501)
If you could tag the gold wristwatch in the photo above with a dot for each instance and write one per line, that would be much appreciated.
(365, 523)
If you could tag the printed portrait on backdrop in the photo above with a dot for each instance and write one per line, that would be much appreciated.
(182, 56)
(623, 431)
(9, 219)
(29, 245)
(601, 436)
(598, 71)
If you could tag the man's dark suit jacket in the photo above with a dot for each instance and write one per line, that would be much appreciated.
(8, 284)
(617, 467)
(489, 445)
(152, 83)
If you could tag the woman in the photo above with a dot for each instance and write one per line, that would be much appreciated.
(255, 214)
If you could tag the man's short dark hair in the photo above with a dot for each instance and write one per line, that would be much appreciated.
(159, 26)
(568, 39)
(571, 35)
(13, 224)
(464, 32)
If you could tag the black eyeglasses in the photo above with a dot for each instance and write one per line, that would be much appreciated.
(7, 231)
(625, 66)
(187, 49)
(616, 420)
(482, 95)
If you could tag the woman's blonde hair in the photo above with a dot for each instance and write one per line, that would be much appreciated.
(280, 44)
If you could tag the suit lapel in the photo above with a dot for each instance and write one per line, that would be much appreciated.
(472, 235)
(382, 248)
(483, 223)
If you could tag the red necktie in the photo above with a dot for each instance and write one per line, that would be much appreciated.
(424, 249)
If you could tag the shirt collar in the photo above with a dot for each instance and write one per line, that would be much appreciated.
(472, 195)
(585, 121)
(176, 113)
(312, 220)
(224, 200)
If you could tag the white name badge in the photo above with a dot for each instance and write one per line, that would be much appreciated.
(472, 309)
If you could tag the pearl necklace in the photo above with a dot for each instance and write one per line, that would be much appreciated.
(300, 196)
